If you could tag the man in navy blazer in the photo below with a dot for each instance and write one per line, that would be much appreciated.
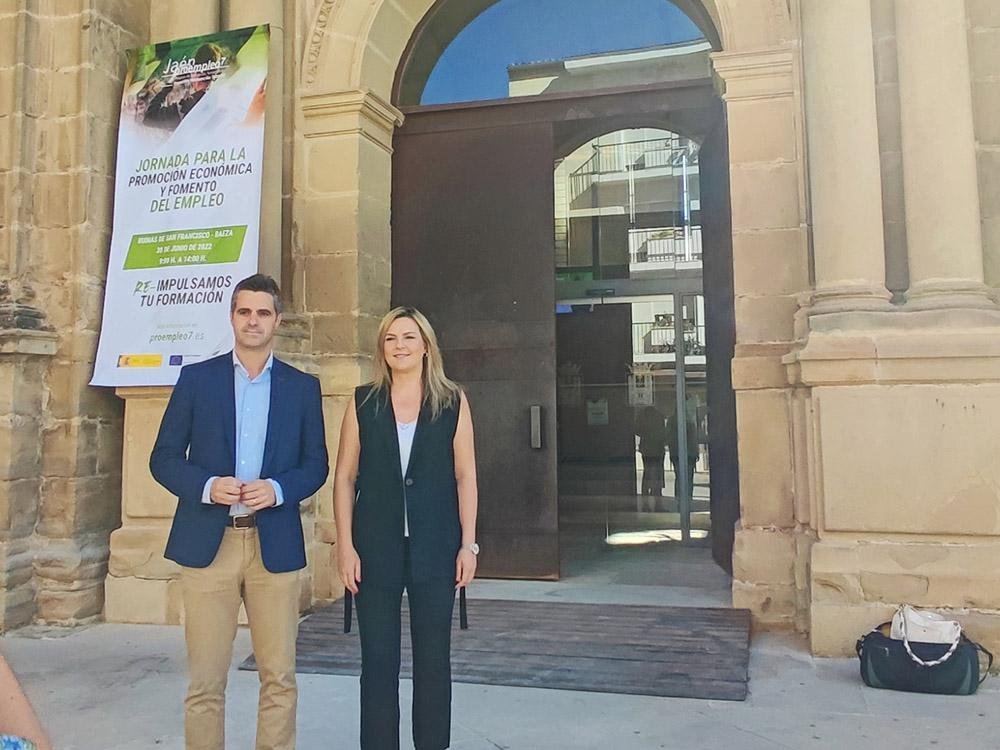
(241, 444)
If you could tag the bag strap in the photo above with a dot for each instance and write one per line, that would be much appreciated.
(859, 646)
(989, 660)
(933, 662)
(463, 613)
(348, 618)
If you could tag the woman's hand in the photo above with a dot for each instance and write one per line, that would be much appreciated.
(465, 568)
(349, 567)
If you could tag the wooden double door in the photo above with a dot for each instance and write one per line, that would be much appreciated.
(472, 247)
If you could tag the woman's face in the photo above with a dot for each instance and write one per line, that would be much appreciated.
(403, 346)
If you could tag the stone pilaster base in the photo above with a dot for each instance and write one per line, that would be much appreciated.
(857, 584)
(770, 575)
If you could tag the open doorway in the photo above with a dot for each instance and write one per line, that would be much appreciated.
(634, 464)
(475, 241)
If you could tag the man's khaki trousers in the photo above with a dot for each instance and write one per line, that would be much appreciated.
(211, 607)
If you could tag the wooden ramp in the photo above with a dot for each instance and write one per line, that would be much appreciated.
(685, 652)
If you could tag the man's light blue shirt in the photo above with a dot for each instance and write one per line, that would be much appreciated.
(253, 405)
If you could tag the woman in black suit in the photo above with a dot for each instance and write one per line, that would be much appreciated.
(405, 502)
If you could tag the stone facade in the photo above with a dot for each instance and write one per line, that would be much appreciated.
(865, 180)
(60, 485)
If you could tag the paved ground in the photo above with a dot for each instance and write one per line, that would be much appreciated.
(119, 687)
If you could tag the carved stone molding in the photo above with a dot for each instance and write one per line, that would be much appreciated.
(760, 74)
(359, 112)
(318, 32)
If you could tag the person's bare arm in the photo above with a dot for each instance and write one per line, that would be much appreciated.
(464, 446)
(345, 474)
(16, 714)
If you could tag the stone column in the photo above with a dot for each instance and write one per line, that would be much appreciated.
(770, 274)
(943, 229)
(342, 253)
(844, 171)
(237, 14)
(24, 356)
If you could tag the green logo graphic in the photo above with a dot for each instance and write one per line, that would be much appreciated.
(186, 247)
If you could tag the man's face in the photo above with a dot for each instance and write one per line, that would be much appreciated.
(254, 320)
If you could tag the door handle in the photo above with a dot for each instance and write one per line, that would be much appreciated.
(536, 425)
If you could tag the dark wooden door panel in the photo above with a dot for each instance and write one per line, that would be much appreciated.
(720, 329)
(472, 226)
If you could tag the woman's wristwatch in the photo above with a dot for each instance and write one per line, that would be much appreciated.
(473, 548)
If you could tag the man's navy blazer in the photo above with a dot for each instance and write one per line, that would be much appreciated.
(197, 440)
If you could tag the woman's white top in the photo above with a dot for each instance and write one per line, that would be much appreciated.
(404, 433)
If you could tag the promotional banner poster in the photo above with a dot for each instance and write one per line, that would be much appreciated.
(187, 203)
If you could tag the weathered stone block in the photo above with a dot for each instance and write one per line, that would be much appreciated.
(834, 628)
(142, 497)
(132, 17)
(70, 606)
(70, 395)
(780, 183)
(338, 377)
(8, 76)
(881, 587)
(79, 504)
(71, 563)
(17, 607)
(835, 588)
(771, 605)
(764, 556)
(329, 225)
(7, 180)
(331, 283)
(392, 32)
(857, 585)
(377, 73)
(138, 600)
(325, 579)
(18, 507)
(68, 36)
(336, 334)
(762, 130)
(16, 560)
(69, 448)
(67, 90)
(764, 430)
(19, 448)
(332, 164)
(910, 458)
(137, 552)
(764, 319)
(21, 386)
(109, 446)
(982, 627)
(770, 262)
(8, 39)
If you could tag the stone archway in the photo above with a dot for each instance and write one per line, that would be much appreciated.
(341, 246)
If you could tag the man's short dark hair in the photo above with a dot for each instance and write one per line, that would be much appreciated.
(258, 283)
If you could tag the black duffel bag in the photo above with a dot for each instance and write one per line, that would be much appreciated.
(885, 663)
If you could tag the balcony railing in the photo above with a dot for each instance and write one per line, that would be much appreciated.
(660, 339)
(664, 245)
(611, 158)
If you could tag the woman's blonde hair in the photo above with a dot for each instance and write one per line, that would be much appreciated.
(440, 393)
